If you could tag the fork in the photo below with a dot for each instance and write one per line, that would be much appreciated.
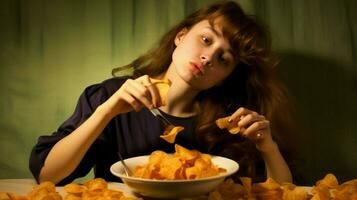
(163, 119)
(127, 170)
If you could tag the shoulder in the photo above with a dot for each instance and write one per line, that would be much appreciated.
(96, 94)
(106, 87)
(113, 84)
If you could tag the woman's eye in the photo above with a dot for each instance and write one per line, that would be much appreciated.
(206, 40)
(222, 59)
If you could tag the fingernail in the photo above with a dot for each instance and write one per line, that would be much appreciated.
(230, 120)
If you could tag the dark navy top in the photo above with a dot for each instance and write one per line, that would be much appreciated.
(131, 134)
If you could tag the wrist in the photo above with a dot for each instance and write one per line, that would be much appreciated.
(105, 111)
(270, 148)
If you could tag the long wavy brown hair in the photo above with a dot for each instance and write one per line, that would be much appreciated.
(252, 84)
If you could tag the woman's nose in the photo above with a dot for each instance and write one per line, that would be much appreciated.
(206, 60)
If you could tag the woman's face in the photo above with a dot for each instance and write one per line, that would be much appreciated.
(203, 58)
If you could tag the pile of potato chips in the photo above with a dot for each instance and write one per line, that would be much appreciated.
(183, 164)
(327, 188)
(44, 191)
(94, 189)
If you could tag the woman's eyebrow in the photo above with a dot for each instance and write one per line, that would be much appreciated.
(229, 50)
(214, 31)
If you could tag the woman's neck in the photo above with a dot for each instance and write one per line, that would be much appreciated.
(181, 102)
(181, 99)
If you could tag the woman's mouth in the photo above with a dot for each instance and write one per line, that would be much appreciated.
(197, 68)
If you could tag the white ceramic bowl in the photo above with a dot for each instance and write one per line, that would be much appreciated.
(172, 188)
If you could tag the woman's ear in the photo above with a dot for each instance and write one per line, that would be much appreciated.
(180, 35)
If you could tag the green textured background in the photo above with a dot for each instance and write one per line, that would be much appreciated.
(51, 50)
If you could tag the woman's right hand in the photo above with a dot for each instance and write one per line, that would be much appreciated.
(134, 94)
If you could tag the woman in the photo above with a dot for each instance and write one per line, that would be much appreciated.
(219, 64)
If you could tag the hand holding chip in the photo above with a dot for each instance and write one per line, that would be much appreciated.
(137, 93)
(249, 124)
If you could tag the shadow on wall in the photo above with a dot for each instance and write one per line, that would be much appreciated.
(325, 95)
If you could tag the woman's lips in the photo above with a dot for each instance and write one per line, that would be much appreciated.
(198, 68)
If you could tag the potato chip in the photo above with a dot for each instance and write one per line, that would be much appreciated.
(269, 189)
(247, 182)
(183, 164)
(156, 158)
(321, 195)
(269, 195)
(169, 167)
(91, 194)
(73, 197)
(4, 196)
(96, 184)
(14, 196)
(224, 123)
(142, 172)
(269, 184)
(112, 194)
(228, 190)
(47, 186)
(215, 195)
(192, 172)
(73, 188)
(292, 192)
(324, 189)
(44, 191)
(350, 182)
(343, 193)
(170, 133)
(94, 189)
(186, 156)
(151, 170)
(329, 181)
(181, 173)
(163, 88)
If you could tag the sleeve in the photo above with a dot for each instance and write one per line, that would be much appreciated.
(89, 100)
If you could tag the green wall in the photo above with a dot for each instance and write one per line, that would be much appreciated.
(51, 50)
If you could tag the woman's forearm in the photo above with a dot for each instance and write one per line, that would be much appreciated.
(276, 165)
(66, 154)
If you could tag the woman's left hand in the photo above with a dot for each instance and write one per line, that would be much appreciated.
(255, 127)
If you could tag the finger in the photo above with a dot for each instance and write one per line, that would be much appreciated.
(249, 119)
(239, 114)
(154, 93)
(139, 92)
(257, 128)
(132, 101)
(144, 80)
